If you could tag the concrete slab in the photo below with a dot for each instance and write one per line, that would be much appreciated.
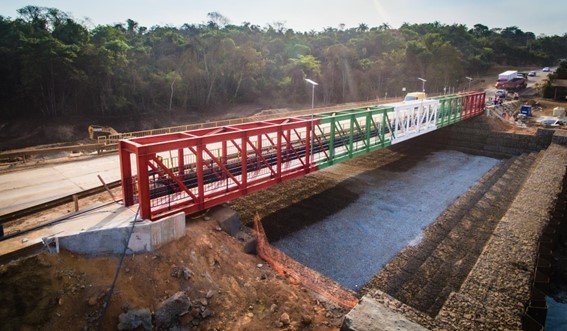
(96, 218)
(29, 187)
(369, 315)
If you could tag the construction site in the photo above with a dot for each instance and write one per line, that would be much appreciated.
(343, 222)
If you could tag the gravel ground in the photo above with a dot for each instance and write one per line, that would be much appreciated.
(392, 210)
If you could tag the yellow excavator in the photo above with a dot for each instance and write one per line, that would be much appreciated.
(96, 131)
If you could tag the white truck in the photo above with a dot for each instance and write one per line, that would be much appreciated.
(506, 76)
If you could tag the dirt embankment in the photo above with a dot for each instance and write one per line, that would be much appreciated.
(237, 291)
(27, 132)
(240, 294)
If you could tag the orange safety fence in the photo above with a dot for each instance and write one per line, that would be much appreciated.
(285, 265)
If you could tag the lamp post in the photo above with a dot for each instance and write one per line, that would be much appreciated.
(313, 91)
(422, 83)
(470, 80)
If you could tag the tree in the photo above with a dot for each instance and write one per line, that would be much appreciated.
(172, 76)
(362, 27)
(338, 73)
(297, 70)
(52, 65)
(481, 31)
(217, 20)
(384, 27)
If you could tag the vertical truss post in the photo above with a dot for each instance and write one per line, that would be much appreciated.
(244, 162)
(351, 135)
(224, 160)
(200, 175)
(383, 127)
(435, 114)
(180, 162)
(368, 129)
(126, 174)
(332, 140)
(279, 154)
(308, 145)
(144, 185)
(259, 147)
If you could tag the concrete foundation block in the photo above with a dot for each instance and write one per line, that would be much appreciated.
(227, 219)
(167, 229)
(249, 246)
(146, 237)
(141, 239)
(370, 315)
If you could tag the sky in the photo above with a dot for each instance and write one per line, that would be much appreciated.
(544, 17)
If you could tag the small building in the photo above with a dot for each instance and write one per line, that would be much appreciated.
(559, 87)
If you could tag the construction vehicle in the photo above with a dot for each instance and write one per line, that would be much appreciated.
(96, 131)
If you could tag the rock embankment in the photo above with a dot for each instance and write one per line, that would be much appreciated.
(423, 276)
(496, 291)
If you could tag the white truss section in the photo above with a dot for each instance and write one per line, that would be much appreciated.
(412, 118)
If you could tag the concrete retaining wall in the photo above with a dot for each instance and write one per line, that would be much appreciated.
(476, 136)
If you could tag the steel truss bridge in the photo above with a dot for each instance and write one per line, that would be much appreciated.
(194, 170)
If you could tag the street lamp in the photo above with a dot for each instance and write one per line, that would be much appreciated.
(470, 80)
(422, 83)
(313, 91)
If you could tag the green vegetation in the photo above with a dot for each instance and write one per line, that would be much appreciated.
(52, 66)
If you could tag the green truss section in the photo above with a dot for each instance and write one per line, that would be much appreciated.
(353, 132)
(450, 110)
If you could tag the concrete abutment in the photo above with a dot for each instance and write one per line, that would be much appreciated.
(145, 236)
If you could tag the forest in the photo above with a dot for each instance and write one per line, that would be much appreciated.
(53, 66)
